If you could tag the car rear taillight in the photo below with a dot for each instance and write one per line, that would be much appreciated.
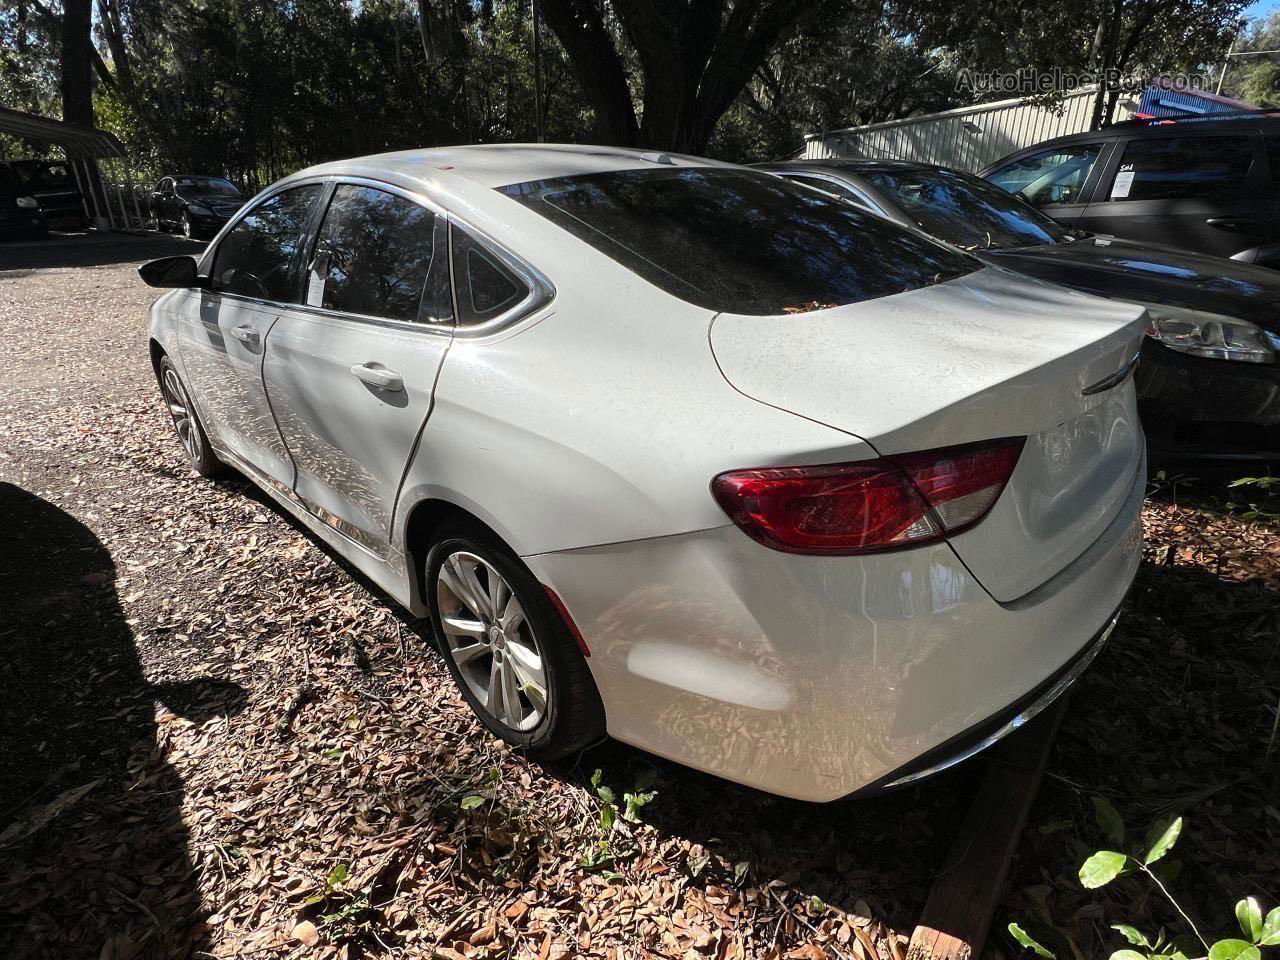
(870, 505)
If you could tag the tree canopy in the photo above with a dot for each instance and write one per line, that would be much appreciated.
(255, 88)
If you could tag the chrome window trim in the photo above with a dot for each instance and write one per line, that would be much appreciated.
(541, 290)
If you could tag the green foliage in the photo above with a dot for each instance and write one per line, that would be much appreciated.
(1264, 507)
(1164, 842)
(603, 851)
(1101, 868)
(1105, 866)
(1029, 942)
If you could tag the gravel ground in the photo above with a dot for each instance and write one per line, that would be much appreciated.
(218, 741)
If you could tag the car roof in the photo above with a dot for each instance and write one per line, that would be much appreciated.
(498, 165)
(856, 165)
(1196, 126)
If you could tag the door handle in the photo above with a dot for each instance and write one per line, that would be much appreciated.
(378, 376)
(246, 334)
(1230, 223)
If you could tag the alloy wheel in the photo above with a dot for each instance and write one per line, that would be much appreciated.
(491, 640)
(175, 397)
(186, 225)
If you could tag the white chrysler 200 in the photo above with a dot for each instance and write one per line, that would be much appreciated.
(675, 450)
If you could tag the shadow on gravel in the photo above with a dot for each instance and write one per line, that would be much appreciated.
(94, 849)
(91, 250)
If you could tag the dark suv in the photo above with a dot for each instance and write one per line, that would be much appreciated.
(1204, 184)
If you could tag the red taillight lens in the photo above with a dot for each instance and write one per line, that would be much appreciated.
(870, 505)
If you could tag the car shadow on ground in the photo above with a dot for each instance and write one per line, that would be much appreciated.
(91, 249)
(95, 852)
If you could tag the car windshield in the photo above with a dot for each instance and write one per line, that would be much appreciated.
(741, 241)
(36, 175)
(207, 186)
(965, 210)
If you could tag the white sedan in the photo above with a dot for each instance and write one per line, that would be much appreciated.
(675, 451)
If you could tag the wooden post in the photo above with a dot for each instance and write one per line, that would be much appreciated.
(963, 900)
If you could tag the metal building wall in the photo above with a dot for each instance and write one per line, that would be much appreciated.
(967, 138)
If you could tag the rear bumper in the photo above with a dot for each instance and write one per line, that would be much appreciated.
(1196, 408)
(818, 677)
(983, 735)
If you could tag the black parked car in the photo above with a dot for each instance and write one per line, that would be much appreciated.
(196, 206)
(1204, 184)
(1209, 381)
(54, 186)
(19, 211)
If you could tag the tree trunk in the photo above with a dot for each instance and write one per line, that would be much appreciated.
(77, 61)
(579, 26)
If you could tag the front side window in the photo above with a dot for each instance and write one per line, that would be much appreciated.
(1182, 168)
(965, 210)
(255, 258)
(741, 241)
(374, 255)
(1051, 176)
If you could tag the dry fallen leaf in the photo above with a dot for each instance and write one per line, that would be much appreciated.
(306, 932)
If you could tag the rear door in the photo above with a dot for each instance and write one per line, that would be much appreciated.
(1204, 193)
(1055, 180)
(350, 372)
(253, 274)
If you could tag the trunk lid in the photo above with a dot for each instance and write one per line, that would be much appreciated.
(986, 356)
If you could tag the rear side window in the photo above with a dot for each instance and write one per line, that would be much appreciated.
(486, 287)
(255, 259)
(374, 255)
(1050, 176)
(1182, 168)
(741, 241)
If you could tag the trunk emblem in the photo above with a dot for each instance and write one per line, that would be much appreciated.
(1114, 380)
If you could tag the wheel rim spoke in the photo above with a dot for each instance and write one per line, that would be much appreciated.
(461, 627)
(464, 655)
(499, 593)
(512, 711)
(454, 575)
(512, 617)
(527, 667)
(493, 703)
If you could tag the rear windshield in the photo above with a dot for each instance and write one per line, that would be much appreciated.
(966, 211)
(741, 241)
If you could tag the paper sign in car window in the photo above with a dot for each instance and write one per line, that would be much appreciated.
(1123, 181)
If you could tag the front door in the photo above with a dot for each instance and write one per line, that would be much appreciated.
(1209, 194)
(1052, 180)
(350, 373)
(254, 273)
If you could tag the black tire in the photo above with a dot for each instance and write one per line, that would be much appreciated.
(198, 452)
(573, 718)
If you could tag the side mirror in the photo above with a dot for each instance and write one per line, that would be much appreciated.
(172, 272)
